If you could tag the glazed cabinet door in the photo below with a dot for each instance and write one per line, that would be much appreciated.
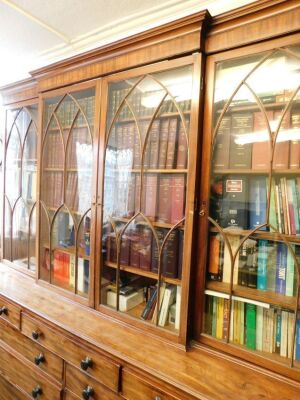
(19, 186)
(67, 189)
(251, 207)
(147, 200)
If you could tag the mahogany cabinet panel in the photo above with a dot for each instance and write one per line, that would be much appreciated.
(85, 386)
(10, 392)
(137, 388)
(100, 367)
(70, 396)
(28, 378)
(10, 312)
(44, 359)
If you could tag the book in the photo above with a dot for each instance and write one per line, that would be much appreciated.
(294, 162)
(178, 307)
(240, 148)
(161, 233)
(153, 142)
(220, 318)
(126, 303)
(135, 247)
(281, 268)
(277, 331)
(164, 198)
(284, 333)
(234, 242)
(182, 148)
(146, 312)
(172, 144)
(234, 202)
(150, 204)
(214, 268)
(281, 152)
(259, 328)
(261, 150)
(257, 202)
(168, 300)
(222, 144)
(145, 248)
(163, 143)
(271, 266)
(262, 264)
(177, 198)
(170, 255)
(251, 326)
(290, 272)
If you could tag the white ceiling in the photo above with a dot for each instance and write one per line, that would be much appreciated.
(34, 33)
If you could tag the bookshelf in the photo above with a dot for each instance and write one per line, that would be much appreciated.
(146, 173)
(66, 190)
(19, 228)
(250, 304)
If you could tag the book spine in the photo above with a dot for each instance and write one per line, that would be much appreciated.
(170, 256)
(135, 247)
(295, 142)
(164, 199)
(182, 149)
(154, 144)
(151, 196)
(258, 202)
(172, 142)
(177, 198)
(281, 268)
(146, 247)
(281, 152)
(251, 326)
(290, 273)
(262, 261)
(240, 154)
(261, 150)
(163, 143)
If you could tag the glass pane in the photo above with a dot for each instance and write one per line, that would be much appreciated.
(44, 245)
(29, 166)
(20, 234)
(83, 258)
(13, 166)
(32, 243)
(22, 122)
(7, 230)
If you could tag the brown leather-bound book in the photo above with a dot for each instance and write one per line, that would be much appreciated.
(150, 196)
(222, 144)
(125, 250)
(145, 248)
(214, 259)
(164, 198)
(261, 151)
(131, 196)
(128, 144)
(163, 142)
(182, 148)
(240, 148)
(172, 143)
(161, 233)
(153, 141)
(137, 193)
(295, 142)
(180, 253)
(135, 246)
(177, 198)
(113, 247)
(281, 152)
(137, 148)
(170, 255)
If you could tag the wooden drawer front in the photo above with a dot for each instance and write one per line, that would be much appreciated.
(102, 368)
(9, 312)
(135, 388)
(9, 392)
(78, 382)
(70, 396)
(21, 374)
(44, 359)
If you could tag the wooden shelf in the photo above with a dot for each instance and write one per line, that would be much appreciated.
(256, 172)
(67, 127)
(253, 107)
(274, 236)
(54, 169)
(276, 299)
(147, 274)
(146, 117)
(153, 171)
(154, 223)
(69, 250)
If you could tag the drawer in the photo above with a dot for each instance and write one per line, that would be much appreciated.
(44, 359)
(70, 396)
(10, 312)
(86, 387)
(95, 364)
(19, 373)
(136, 388)
(9, 392)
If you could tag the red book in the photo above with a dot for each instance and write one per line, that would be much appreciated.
(178, 198)
(150, 196)
(153, 140)
(281, 152)
(172, 139)
(295, 141)
(163, 143)
(182, 148)
(261, 151)
(145, 248)
(164, 198)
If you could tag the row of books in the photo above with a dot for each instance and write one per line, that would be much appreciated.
(137, 99)
(242, 141)
(63, 271)
(139, 250)
(260, 264)
(267, 329)
(169, 305)
(54, 153)
(67, 110)
(166, 146)
(161, 199)
(52, 189)
(242, 202)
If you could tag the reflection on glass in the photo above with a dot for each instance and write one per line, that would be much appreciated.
(146, 163)
(67, 162)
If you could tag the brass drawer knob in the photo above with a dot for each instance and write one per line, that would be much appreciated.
(39, 359)
(36, 392)
(88, 392)
(86, 363)
(3, 310)
(36, 334)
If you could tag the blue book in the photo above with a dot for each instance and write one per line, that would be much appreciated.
(262, 261)
(257, 202)
(298, 338)
(281, 266)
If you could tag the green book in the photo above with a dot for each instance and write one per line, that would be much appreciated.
(214, 317)
(290, 272)
(251, 326)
